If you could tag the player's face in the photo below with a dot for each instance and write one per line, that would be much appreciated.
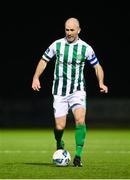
(71, 30)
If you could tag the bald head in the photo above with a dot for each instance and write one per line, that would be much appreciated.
(72, 29)
(72, 20)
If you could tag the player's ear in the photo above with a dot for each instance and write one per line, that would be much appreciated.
(79, 30)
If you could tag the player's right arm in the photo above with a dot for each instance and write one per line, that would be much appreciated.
(39, 70)
(46, 57)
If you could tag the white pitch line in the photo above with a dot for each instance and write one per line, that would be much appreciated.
(44, 152)
(19, 151)
(117, 152)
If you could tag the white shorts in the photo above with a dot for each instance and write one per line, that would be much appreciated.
(62, 104)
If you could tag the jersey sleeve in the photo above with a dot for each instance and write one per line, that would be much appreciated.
(49, 53)
(91, 57)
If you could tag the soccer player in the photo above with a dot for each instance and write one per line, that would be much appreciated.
(68, 89)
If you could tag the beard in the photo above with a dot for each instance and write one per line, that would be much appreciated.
(70, 39)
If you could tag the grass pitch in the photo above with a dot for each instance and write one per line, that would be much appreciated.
(27, 154)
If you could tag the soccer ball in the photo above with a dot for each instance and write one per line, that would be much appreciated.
(61, 157)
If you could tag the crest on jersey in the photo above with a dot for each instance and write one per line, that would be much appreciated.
(79, 56)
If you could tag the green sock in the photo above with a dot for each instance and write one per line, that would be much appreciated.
(80, 134)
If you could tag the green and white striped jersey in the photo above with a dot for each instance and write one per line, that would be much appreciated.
(69, 65)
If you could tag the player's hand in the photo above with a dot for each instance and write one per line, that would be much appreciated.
(103, 88)
(36, 84)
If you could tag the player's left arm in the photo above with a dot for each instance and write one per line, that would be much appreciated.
(100, 76)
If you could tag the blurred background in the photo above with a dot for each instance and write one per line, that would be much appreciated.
(26, 30)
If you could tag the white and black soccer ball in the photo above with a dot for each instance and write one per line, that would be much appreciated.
(61, 157)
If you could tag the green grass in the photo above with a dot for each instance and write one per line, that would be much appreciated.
(27, 154)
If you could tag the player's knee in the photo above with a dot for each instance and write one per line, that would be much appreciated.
(80, 121)
(60, 126)
(60, 123)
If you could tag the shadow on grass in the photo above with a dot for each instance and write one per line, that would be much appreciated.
(47, 164)
(39, 164)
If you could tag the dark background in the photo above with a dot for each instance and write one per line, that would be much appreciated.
(26, 30)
